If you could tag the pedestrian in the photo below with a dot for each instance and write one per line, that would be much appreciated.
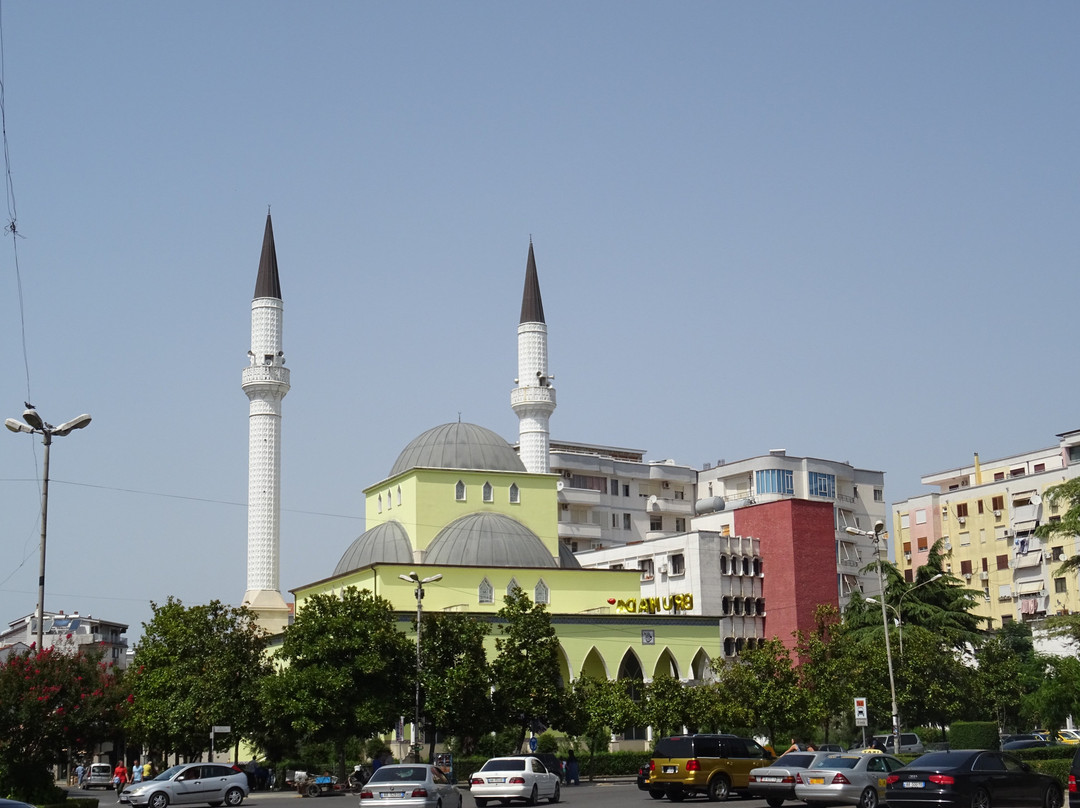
(80, 774)
(120, 778)
(798, 746)
(136, 772)
(147, 770)
(573, 777)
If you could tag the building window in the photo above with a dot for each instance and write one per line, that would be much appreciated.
(656, 522)
(981, 510)
(680, 495)
(998, 476)
(725, 605)
(908, 575)
(389, 504)
(486, 592)
(746, 565)
(965, 567)
(998, 503)
(399, 496)
(512, 587)
(459, 491)
(626, 521)
(614, 521)
(723, 565)
(587, 482)
(1003, 562)
(822, 485)
(678, 564)
(515, 494)
(1016, 473)
(961, 509)
(541, 594)
(922, 544)
(489, 492)
(626, 489)
(879, 495)
(680, 524)
(614, 488)
(380, 503)
(775, 481)
(1039, 468)
(1060, 586)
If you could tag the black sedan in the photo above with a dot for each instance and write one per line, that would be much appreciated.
(970, 778)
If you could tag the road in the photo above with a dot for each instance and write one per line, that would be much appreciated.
(617, 793)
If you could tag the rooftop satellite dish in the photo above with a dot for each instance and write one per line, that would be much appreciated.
(559, 485)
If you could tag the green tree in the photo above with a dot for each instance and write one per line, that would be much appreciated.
(1065, 495)
(595, 708)
(196, 667)
(828, 669)
(766, 681)
(345, 671)
(666, 705)
(934, 685)
(455, 678)
(528, 689)
(1007, 670)
(52, 704)
(1058, 694)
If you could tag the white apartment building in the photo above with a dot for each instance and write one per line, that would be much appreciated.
(70, 632)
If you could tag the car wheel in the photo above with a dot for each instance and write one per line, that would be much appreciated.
(980, 799)
(720, 789)
(532, 797)
(311, 790)
(656, 795)
(233, 797)
(869, 798)
(554, 798)
(480, 802)
(1053, 798)
(774, 802)
(159, 799)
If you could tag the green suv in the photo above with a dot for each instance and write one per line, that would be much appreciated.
(713, 765)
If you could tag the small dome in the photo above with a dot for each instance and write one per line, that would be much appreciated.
(488, 540)
(387, 543)
(458, 446)
(567, 559)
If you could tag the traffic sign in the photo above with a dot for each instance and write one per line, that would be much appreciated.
(860, 711)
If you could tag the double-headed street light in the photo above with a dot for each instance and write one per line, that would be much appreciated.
(413, 578)
(33, 424)
(879, 526)
(899, 603)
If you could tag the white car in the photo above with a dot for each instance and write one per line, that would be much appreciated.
(415, 785)
(514, 778)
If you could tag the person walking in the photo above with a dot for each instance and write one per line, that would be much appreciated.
(80, 775)
(573, 776)
(136, 772)
(120, 778)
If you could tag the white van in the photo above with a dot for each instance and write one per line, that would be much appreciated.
(909, 743)
(100, 775)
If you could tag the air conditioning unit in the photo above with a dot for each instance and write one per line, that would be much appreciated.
(962, 520)
(662, 569)
(565, 506)
(984, 575)
(907, 556)
(997, 513)
(948, 544)
(967, 576)
(566, 474)
(666, 484)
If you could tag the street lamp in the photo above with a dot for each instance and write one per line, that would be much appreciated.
(33, 424)
(413, 578)
(879, 526)
(900, 602)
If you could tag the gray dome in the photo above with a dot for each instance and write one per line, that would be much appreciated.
(567, 559)
(387, 543)
(458, 446)
(488, 540)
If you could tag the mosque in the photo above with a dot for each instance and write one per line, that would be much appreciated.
(461, 502)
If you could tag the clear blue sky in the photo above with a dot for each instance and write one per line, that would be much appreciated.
(844, 229)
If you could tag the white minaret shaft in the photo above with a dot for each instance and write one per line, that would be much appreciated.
(265, 381)
(534, 397)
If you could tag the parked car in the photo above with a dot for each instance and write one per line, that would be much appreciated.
(1012, 746)
(1074, 781)
(643, 779)
(829, 747)
(714, 765)
(776, 783)
(850, 778)
(910, 743)
(14, 804)
(414, 785)
(522, 777)
(188, 783)
(971, 778)
(99, 775)
(1069, 736)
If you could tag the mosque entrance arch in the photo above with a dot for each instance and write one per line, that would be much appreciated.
(594, 666)
(666, 665)
(630, 670)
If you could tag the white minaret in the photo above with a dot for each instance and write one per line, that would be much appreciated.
(265, 381)
(534, 398)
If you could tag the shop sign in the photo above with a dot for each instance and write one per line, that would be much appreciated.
(659, 605)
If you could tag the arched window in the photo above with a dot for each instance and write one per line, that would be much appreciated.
(541, 594)
(739, 645)
(729, 646)
(515, 494)
(489, 492)
(750, 606)
(759, 567)
(746, 565)
(512, 587)
(738, 604)
(723, 565)
(725, 605)
(389, 502)
(380, 503)
(761, 605)
(399, 495)
(459, 491)
(486, 592)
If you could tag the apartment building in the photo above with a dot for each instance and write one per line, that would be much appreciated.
(985, 515)
(70, 632)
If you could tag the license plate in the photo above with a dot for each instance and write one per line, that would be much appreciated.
(770, 779)
(816, 781)
(914, 784)
(496, 779)
(392, 795)
(669, 769)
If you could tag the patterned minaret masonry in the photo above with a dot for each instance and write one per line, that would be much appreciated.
(265, 381)
(533, 400)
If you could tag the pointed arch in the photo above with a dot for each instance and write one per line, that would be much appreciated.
(630, 669)
(701, 666)
(515, 494)
(594, 665)
(564, 667)
(541, 592)
(666, 665)
(485, 593)
(489, 492)
(459, 491)
(513, 586)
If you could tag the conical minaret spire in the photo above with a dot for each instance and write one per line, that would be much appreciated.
(534, 397)
(265, 381)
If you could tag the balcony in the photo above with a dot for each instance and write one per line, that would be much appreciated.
(579, 530)
(579, 496)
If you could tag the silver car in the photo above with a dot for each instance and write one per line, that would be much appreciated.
(776, 782)
(209, 783)
(846, 778)
(410, 784)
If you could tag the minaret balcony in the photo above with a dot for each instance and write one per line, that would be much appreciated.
(532, 395)
(265, 374)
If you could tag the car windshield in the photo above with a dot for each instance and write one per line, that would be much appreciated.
(399, 774)
(797, 760)
(171, 772)
(674, 748)
(504, 765)
(837, 762)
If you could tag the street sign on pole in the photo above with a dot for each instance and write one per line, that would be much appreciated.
(860, 711)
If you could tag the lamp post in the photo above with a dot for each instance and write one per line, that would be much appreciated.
(32, 424)
(900, 602)
(879, 526)
(413, 578)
